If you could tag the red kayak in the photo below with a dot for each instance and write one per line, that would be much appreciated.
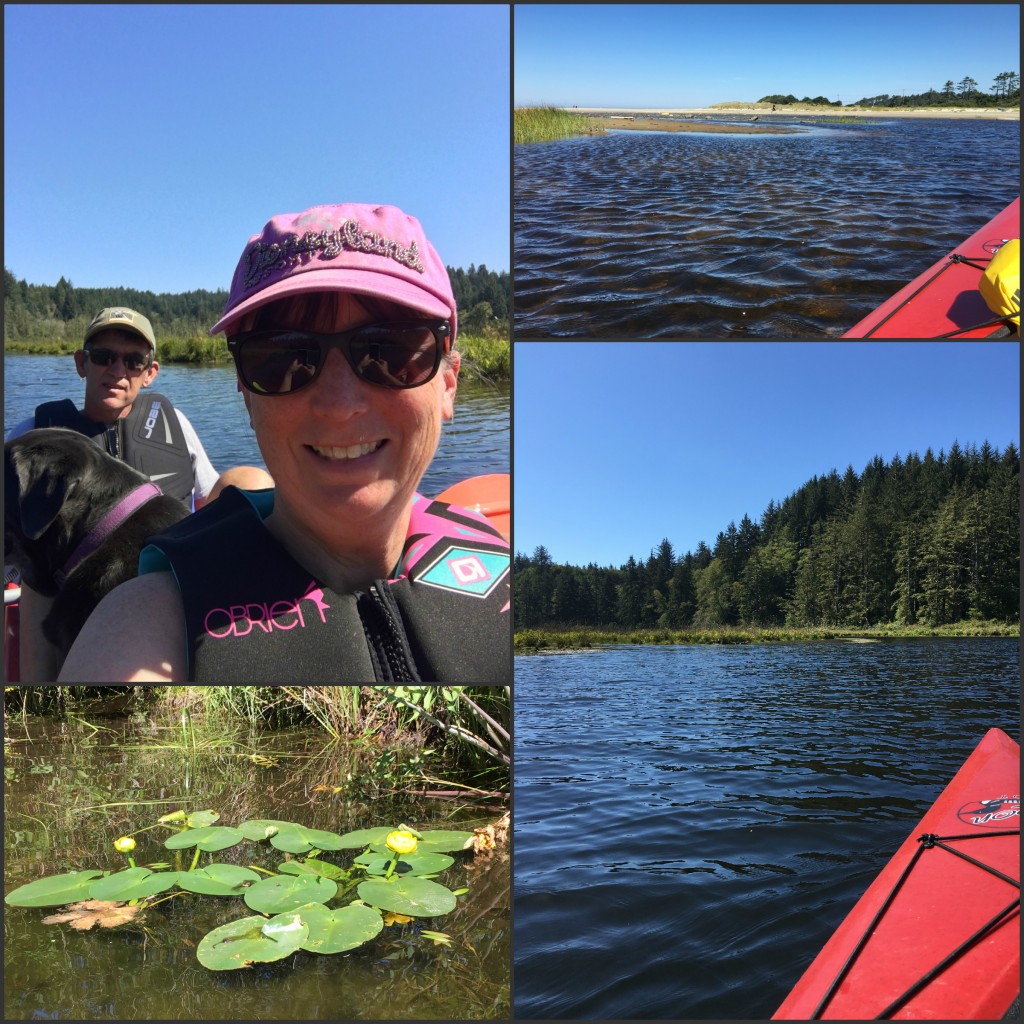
(937, 934)
(945, 300)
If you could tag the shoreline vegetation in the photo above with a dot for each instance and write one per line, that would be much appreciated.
(487, 359)
(388, 727)
(543, 639)
(44, 319)
(544, 124)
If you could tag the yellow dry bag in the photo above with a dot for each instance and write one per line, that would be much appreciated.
(1000, 284)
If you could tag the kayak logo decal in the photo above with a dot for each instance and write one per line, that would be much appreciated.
(993, 813)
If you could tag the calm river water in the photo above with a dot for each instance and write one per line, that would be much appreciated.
(71, 787)
(691, 823)
(476, 442)
(647, 234)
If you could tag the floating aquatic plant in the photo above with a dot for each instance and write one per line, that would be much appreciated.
(392, 874)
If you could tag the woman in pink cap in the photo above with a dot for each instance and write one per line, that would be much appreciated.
(341, 322)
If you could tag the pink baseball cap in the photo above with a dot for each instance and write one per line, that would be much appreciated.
(377, 251)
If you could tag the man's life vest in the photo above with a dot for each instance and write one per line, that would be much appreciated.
(253, 614)
(1000, 284)
(149, 438)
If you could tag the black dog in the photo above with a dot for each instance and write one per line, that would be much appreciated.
(75, 521)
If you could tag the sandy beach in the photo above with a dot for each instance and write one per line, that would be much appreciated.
(763, 110)
(650, 124)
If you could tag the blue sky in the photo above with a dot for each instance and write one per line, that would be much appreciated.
(619, 445)
(143, 145)
(694, 55)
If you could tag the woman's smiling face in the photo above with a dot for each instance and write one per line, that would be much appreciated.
(347, 456)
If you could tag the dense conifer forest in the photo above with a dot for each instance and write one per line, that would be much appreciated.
(53, 313)
(929, 541)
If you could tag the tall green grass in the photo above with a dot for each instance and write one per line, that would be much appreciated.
(552, 639)
(541, 124)
(473, 722)
(335, 709)
(485, 358)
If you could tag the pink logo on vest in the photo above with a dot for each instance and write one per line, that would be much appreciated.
(469, 570)
(241, 619)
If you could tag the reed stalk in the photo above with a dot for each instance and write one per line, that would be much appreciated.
(543, 124)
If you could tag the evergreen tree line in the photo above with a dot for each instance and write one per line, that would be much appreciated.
(930, 541)
(1005, 93)
(41, 312)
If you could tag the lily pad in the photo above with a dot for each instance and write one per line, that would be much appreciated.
(299, 839)
(264, 828)
(287, 892)
(409, 864)
(418, 897)
(54, 891)
(132, 884)
(312, 867)
(217, 879)
(335, 931)
(200, 819)
(364, 837)
(444, 841)
(210, 839)
(251, 940)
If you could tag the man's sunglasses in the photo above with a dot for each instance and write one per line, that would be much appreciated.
(133, 361)
(282, 361)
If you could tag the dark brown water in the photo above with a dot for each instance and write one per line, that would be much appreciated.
(651, 234)
(71, 788)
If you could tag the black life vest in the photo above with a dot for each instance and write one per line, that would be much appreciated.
(149, 438)
(254, 614)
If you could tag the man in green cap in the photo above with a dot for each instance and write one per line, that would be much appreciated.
(117, 361)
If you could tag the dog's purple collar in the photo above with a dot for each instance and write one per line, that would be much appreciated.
(99, 533)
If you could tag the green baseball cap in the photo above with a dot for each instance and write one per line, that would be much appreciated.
(121, 318)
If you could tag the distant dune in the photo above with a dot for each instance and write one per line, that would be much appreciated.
(765, 109)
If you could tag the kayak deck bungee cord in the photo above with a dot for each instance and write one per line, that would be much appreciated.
(936, 936)
(946, 300)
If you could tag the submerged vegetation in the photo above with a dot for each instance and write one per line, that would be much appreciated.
(542, 124)
(333, 799)
(392, 875)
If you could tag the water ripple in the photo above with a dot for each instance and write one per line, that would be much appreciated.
(692, 823)
(647, 234)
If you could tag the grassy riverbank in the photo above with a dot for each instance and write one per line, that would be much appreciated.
(529, 641)
(542, 124)
(471, 723)
(487, 358)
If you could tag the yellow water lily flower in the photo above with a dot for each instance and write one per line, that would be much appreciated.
(124, 845)
(401, 841)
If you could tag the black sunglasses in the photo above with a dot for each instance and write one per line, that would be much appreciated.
(281, 361)
(133, 361)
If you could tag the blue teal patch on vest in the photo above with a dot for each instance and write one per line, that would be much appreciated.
(466, 571)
